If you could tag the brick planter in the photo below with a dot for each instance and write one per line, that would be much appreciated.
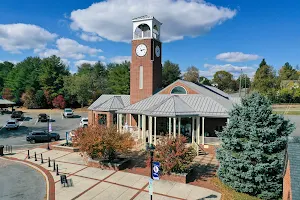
(182, 178)
(104, 164)
(64, 148)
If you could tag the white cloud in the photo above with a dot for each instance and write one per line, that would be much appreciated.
(234, 70)
(66, 61)
(80, 62)
(90, 37)
(120, 59)
(17, 37)
(102, 57)
(11, 61)
(236, 57)
(180, 18)
(67, 48)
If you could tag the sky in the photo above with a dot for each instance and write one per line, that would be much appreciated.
(212, 35)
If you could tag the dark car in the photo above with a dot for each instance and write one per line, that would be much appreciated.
(42, 136)
(17, 115)
(43, 117)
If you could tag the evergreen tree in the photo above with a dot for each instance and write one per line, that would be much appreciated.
(170, 73)
(251, 155)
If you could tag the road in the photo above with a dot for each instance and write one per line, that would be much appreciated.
(296, 120)
(20, 181)
(17, 138)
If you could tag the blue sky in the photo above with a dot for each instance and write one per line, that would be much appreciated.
(211, 35)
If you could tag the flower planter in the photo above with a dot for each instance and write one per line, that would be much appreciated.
(180, 177)
(62, 147)
(118, 164)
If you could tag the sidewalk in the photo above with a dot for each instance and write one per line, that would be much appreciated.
(94, 183)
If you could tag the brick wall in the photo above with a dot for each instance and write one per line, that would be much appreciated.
(287, 190)
(93, 117)
(152, 71)
(168, 89)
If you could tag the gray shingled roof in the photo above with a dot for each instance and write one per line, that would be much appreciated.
(6, 102)
(110, 102)
(293, 155)
(179, 105)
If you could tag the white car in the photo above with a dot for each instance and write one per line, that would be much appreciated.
(12, 124)
(68, 112)
(84, 122)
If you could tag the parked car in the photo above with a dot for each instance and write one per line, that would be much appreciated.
(68, 112)
(12, 124)
(84, 122)
(19, 115)
(42, 136)
(43, 117)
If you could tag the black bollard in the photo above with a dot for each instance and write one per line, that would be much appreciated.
(54, 165)
(35, 159)
(49, 165)
(42, 161)
(28, 155)
(57, 170)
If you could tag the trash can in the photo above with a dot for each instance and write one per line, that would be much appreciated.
(1, 150)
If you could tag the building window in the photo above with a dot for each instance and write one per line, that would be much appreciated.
(178, 90)
(102, 119)
(141, 77)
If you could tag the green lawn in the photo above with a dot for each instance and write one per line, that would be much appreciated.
(230, 194)
(291, 112)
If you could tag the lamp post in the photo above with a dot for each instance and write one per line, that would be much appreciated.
(151, 149)
(48, 132)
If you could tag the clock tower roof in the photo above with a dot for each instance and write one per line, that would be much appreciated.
(145, 17)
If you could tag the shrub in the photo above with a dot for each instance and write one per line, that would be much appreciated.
(59, 102)
(102, 142)
(173, 155)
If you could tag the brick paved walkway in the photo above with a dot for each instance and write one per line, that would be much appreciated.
(94, 183)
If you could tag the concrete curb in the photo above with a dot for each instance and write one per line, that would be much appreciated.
(50, 184)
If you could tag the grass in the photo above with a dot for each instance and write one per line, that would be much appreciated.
(229, 193)
(291, 112)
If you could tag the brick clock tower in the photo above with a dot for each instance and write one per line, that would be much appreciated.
(145, 68)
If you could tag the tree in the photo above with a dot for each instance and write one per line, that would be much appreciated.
(191, 75)
(225, 81)
(28, 99)
(85, 68)
(119, 78)
(265, 81)
(170, 73)
(5, 68)
(173, 155)
(40, 99)
(99, 80)
(7, 94)
(203, 80)
(252, 148)
(102, 142)
(244, 78)
(59, 102)
(287, 72)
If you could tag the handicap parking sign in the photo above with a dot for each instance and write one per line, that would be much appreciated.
(155, 171)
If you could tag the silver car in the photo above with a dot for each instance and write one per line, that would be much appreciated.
(12, 124)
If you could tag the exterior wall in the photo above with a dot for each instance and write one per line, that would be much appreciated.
(287, 189)
(152, 71)
(93, 118)
(90, 118)
(168, 89)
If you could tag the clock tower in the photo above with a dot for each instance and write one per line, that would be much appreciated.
(145, 68)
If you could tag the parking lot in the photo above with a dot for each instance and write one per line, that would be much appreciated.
(17, 138)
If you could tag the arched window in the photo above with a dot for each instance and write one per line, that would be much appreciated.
(142, 31)
(178, 90)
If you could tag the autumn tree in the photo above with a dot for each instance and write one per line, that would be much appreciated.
(59, 102)
(170, 73)
(192, 74)
(224, 81)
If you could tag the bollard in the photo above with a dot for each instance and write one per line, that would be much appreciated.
(49, 165)
(42, 161)
(28, 155)
(6, 148)
(10, 149)
(35, 159)
(54, 165)
(57, 170)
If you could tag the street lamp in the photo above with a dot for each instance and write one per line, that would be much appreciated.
(151, 148)
(48, 132)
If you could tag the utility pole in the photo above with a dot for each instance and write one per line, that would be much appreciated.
(240, 83)
(245, 85)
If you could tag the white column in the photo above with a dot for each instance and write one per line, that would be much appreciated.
(154, 130)
(198, 130)
(227, 120)
(179, 123)
(121, 122)
(193, 126)
(170, 126)
(130, 119)
(118, 122)
(202, 130)
(138, 125)
(144, 128)
(174, 127)
(150, 130)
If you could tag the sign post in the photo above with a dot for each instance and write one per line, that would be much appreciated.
(67, 135)
(150, 186)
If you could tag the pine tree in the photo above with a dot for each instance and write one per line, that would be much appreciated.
(252, 149)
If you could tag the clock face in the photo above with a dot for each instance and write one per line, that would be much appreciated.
(157, 51)
(141, 50)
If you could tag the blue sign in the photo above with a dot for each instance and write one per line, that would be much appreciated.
(155, 172)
